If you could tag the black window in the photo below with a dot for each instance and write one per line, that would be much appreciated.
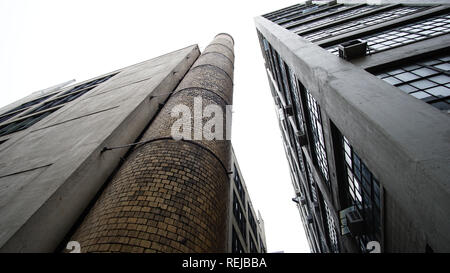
(239, 215)
(251, 220)
(71, 94)
(236, 243)
(238, 184)
(23, 123)
(21, 108)
(317, 134)
(363, 192)
(47, 108)
(253, 248)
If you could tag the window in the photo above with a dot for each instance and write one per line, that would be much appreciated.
(21, 108)
(364, 193)
(239, 215)
(251, 220)
(407, 34)
(47, 108)
(238, 184)
(71, 94)
(427, 79)
(289, 22)
(332, 18)
(317, 133)
(236, 243)
(290, 11)
(22, 124)
(331, 230)
(360, 23)
(295, 91)
(253, 248)
(312, 184)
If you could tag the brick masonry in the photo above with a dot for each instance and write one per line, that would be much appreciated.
(171, 196)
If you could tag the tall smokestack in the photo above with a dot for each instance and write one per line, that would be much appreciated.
(172, 195)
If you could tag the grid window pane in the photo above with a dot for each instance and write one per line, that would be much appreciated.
(22, 108)
(417, 31)
(239, 215)
(297, 19)
(47, 108)
(319, 143)
(298, 28)
(364, 194)
(364, 22)
(426, 79)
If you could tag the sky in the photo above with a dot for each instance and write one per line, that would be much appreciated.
(44, 43)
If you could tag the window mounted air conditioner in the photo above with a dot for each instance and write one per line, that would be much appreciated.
(289, 110)
(352, 49)
(302, 139)
(355, 222)
(302, 200)
(331, 3)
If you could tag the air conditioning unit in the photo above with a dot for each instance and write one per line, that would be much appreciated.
(302, 200)
(289, 110)
(355, 222)
(302, 139)
(309, 219)
(352, 49)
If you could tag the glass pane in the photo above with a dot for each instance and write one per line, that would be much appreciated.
(423, 84)
(420, 95)
(392, 80)
(442, 79)
(407, 76)
(444, 66)
(424, 71)
(407, 88)
(439, 91)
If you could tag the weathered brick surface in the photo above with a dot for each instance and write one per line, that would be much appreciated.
(170, 196)
(162, 125)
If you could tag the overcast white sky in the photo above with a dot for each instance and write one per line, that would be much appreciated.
(45, 42)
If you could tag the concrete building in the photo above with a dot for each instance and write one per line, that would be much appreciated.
(246, 228)
(362, 91)
(96, 163)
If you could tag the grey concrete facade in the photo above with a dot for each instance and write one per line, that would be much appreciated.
(389, 130)
(50, 172)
